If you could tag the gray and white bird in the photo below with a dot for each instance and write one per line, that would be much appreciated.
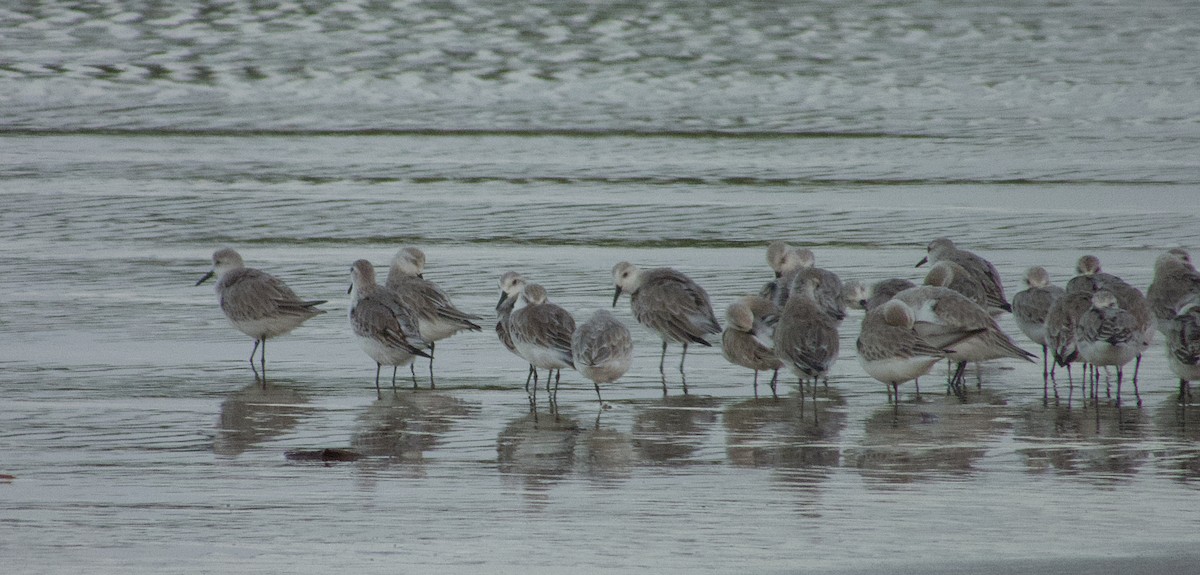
(806, 338)
(799, 264)
(883, 290)
(1183, 347)
(891, 351)
(989, 278)
(1090, 277)
(1175, 282)
(1030, 308)
(257, 303)
(384, 327)
(1061, 319)
(948, 320)
(948, 274)
(1108, 335)
(669, 303)
(747, 339)
(541, 332)
(602, 349)
(511, 284)
(775, 255)
(437, 317)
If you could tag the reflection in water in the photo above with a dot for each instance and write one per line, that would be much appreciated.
(256, 413)
(671, 430)
(537, 450)
(1101, 445)
(401, 427)
(771, 433)
(1179, 426)
(942, 436)
(608, 454)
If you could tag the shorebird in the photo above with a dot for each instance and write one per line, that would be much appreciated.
(891, 351)
(855, 294)
(511, 284)
(799, 264)
(1030, 308)
(1109, 335)
(437, 317)
(775, 253)
(1183, 347)
(948, 320)
(806, 338)
(948, 274)
(1175, 281)
(1061, 319)
(602, 349)
(257, 303)
(669, 303)
(883, 290)
(944, 249)
(746, 340)
(541, 332)
(384, 327)
(1090, 277)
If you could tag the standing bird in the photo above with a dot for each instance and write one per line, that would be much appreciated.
(669, 303)
(1060, 324)
(891, 351)
(602, 349)
(1109, 335)
(799, 264)
(948, 320)
(1183, 348)
(775, 256)
(511, 284)
(1175, 281)
(257, 303)
(1090, 277)
(806, 338)
(746, 340)
(437, 317)
(541, 331)
(384, 327)
(1030, 308)
(510, 289)
(948, 274)
(944, 249)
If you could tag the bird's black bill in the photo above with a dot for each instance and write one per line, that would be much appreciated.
(616, 296)
(205, 278)
(922, 262)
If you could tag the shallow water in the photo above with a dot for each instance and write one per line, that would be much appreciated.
(556, 140)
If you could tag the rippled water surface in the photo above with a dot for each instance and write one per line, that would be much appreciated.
(556, 139)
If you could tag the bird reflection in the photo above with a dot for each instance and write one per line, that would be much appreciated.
(1179, 426)
(1100, 445)
(938, 438)
(769, 433)
(256, 413)
(537, 452)
(607, 454)
(670, 430)
(401, 427)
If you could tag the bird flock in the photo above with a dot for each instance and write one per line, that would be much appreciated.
(1098, 320)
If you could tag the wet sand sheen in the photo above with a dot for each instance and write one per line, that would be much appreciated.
(173, 438)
